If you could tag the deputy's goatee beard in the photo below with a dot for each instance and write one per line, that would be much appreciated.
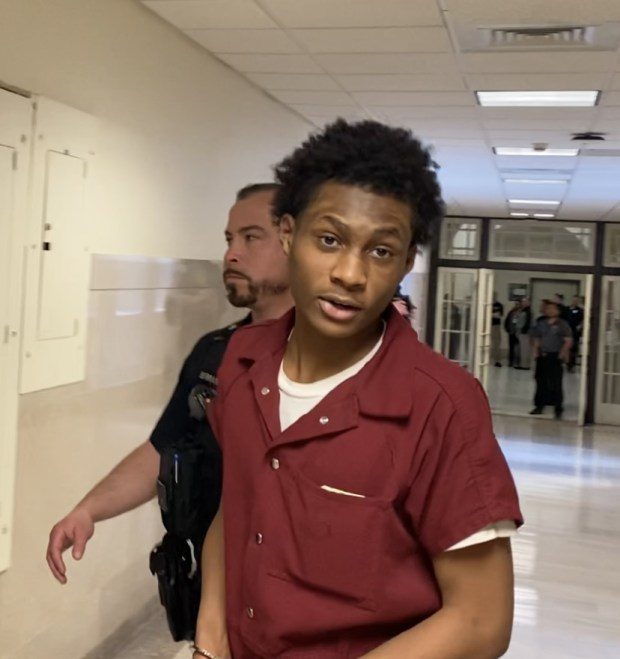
(250, 298)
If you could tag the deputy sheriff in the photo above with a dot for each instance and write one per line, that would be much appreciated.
(256, 277)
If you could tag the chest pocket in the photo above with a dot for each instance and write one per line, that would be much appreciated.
(337, 497)
(332, 541)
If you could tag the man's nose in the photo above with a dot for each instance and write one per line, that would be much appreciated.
(350, 271)
(232, 254)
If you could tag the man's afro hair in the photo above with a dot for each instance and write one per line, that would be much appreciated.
(369, 155)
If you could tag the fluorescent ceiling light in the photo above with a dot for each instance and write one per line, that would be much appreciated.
(543, 215)
(520, 214)
(538, 99)
(528, 151)
(537, 181)
(533, 202)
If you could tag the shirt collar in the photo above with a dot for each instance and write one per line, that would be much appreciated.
(395, 360)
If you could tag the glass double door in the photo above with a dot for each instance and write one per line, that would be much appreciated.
(463, 334)
(463, 318)
(608, 385)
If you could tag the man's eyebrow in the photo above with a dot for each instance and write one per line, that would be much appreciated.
(389, 231)
(250, 227)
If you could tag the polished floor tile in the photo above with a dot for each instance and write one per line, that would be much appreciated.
(566, 556)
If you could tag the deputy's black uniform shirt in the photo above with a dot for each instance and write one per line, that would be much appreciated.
(185, 413)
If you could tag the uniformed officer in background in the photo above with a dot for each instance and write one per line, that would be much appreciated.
(256, 277)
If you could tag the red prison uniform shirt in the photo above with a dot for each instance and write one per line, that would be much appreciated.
(314, 573)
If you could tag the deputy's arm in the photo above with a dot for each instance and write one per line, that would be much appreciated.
(565, 350)
(211, 624)
(131, 483)
(475, 621)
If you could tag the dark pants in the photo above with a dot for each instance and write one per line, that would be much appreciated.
(548, 376)
(513, 347)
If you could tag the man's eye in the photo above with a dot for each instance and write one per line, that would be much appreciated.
(382, 252)
(328, 241)
(250, 238)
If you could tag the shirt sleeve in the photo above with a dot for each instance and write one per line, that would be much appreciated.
(504, 529)
(175, 420)
(460, 482)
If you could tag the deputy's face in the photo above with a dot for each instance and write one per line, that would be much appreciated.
(348, 252)
(255, 264)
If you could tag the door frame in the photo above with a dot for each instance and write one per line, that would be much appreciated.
(598, 270)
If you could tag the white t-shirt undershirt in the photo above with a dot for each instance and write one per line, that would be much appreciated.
(297, 399)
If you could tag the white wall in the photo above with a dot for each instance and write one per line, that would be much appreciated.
(178, 134)
(179, 131)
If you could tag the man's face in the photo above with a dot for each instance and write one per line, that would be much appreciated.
(552, 310)
(255, 264)
(348, 252)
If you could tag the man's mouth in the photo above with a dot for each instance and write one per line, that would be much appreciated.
(232, 274)
(339, 309)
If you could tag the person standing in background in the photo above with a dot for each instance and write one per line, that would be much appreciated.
(552, 342)
(558, 298)
(496, 331)
(575, 320)
(510, 325)
(523, 324)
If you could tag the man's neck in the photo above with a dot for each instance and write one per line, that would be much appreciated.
(271, 307)
(311, 356)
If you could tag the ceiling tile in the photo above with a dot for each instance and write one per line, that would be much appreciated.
(375, 40)
(404, 113)
(290, 81)
(244, 41)
(535, 62)
(329, 111)
(214, 14)
(402, 82)
(353, 13)
(313, 98)
(536, 81)
(414, 98)
(265, 63)
(523, 12)
(375, 63)
(610, 98)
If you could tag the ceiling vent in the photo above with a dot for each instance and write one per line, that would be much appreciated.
(588, 136)
(540, 37)
(485, 38)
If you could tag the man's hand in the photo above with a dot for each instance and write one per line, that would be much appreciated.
(76, 529)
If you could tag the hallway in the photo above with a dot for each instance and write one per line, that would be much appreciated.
(567, 582)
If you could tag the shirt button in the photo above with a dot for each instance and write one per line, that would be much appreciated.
(250, 612)
(324, 420)
(265, 391)
(259, 538)
(275, 463)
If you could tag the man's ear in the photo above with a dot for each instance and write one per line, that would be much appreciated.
(286, 228)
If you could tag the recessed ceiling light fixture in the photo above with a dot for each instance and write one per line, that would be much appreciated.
(520, 214)
(536, 181)
(533, 202)
(529, 151)
(543, 215)
(538, 99)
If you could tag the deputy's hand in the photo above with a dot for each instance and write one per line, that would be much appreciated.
(76, 529)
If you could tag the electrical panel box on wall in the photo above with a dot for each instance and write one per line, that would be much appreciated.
(57, 257)
(15, 128)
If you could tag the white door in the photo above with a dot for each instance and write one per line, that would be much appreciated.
(15, 123)
(584, 350)
(455, 315)
(608, 386)
(483, 325)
